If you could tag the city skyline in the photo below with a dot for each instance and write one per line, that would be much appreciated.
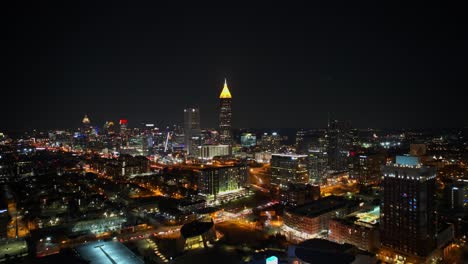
(288, 66)
(173, 132)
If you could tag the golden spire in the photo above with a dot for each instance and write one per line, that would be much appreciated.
(86, 120)
(225, 94)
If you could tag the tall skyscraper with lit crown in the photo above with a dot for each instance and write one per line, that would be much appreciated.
(86, 125)
(225, 116)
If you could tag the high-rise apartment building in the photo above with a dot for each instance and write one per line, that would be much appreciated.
(339, 142)
(213, 181)
(408, 223)
(314, 144)
(366, 167)
(123, 126)
(317, 160)
(309, 139)
(287, 169)
(270, 142)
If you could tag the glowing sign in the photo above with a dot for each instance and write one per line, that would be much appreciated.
(123, 121)
(272, 260)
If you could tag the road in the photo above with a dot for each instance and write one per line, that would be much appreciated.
(339, 189)
(260, 176)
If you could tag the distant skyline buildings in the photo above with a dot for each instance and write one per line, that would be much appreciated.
(225, 119)
(86, 125)
(225, 111)
(280, 56)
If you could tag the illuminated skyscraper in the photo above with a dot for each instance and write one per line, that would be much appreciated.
(192, 131)
(271, 142)
(288, 168)
(123, 126)
(408, 224)
(86, 120)
(109, 128)
(339, 142)
(86, 125)
(225, 116)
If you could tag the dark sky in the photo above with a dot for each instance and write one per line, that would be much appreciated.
(286, 65)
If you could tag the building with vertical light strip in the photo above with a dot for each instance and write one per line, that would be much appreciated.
(225, 116)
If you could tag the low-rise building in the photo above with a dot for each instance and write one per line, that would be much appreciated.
(191, 205)
(359, 229)
(324, 251)
(196, 234)
(313, 218)
(125, 166)
(99, 225)
(299, 194)
(263, 157)
(211, 151)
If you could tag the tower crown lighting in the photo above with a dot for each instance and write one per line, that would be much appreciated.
(225, 93)
(86, 120)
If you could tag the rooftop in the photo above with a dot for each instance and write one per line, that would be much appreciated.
(322, 206)
(368, 217)
(195, 228)
(291, 155)
(110, 252)
(407, 160)
(324, 251)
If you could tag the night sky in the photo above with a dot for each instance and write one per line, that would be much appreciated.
(287, 66)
